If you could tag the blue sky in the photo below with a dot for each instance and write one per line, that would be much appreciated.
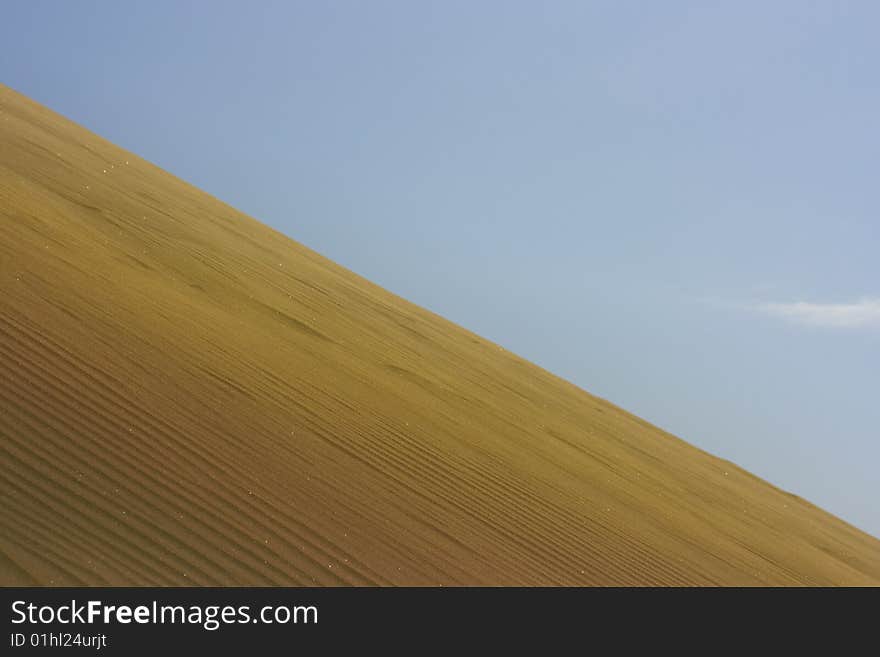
(674, 205)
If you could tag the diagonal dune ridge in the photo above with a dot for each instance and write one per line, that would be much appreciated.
(189, 397)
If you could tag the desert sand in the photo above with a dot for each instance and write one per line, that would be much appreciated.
(188, 397)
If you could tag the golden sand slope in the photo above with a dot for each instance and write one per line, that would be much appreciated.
(188, 397)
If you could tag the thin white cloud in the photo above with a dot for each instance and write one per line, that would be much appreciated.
(861, 314)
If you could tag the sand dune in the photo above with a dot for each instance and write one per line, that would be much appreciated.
(189, 397)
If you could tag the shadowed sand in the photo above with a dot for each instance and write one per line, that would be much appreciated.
(189, 397)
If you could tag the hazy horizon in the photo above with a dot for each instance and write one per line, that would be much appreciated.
(672, 207)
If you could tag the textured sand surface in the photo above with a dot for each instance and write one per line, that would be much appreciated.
(189, 397)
